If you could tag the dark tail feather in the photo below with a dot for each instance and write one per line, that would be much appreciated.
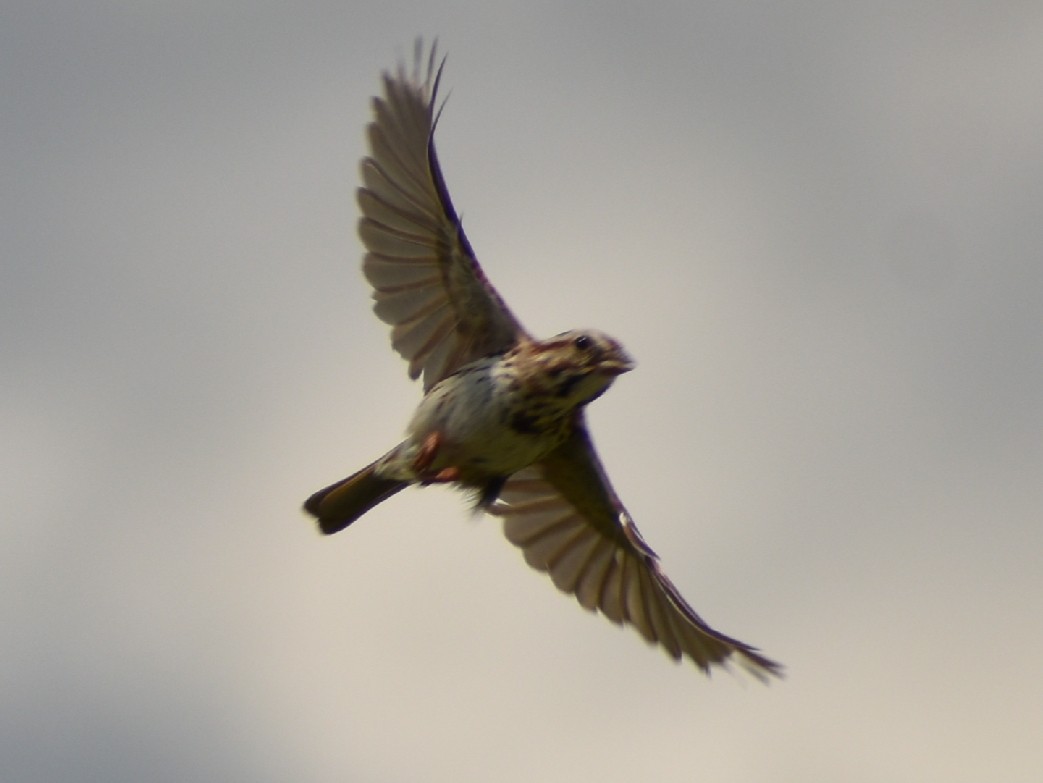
(340, 504)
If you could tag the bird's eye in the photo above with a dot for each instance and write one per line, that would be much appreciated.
(583, 342)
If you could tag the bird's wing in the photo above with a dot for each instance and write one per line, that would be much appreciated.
(568, 521)
(427, 284)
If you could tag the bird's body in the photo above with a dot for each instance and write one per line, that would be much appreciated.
(490, 419)
(502, 414)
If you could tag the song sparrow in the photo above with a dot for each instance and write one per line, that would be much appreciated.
(502, 414)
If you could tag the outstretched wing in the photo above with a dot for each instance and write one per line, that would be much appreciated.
(427, 284)
(567, 520)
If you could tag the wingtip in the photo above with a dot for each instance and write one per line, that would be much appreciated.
(761, 668)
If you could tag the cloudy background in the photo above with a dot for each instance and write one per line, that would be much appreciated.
(817, 226)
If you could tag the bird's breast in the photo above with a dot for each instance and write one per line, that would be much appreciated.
(487, 424)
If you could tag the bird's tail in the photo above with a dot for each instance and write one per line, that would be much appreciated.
(340, 504)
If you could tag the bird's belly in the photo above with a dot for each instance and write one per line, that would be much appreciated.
(471, 415)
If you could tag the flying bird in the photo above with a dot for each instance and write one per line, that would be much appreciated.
(502, 415)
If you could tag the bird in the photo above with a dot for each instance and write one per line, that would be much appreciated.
(502, 416)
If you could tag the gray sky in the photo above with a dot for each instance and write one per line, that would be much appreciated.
(817, 226)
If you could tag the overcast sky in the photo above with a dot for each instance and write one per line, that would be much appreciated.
(818, 228)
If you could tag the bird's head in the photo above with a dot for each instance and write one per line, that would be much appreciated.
(579, 365)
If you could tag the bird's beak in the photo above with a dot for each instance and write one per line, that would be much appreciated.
(617, 364)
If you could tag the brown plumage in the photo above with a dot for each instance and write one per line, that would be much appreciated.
(503, 413)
